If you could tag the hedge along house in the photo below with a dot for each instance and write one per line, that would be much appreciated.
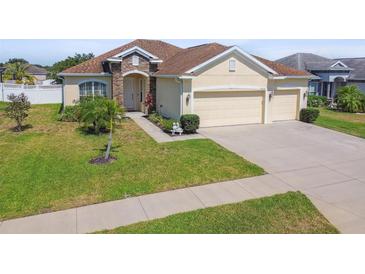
(223, 85)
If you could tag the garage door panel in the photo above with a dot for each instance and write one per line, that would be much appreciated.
(228, 108)
(285, 105)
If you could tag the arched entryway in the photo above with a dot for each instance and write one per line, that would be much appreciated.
(135, 88)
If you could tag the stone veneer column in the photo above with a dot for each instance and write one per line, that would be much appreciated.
(117, 83)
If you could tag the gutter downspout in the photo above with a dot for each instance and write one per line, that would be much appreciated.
(181, 90)
(63, 93)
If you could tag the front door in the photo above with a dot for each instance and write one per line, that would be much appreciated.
(129, 93)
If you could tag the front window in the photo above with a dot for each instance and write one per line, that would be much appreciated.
(92, 89)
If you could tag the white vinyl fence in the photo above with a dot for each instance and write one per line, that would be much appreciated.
(37, 94)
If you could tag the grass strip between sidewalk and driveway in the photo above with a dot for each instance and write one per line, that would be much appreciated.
(291, 212)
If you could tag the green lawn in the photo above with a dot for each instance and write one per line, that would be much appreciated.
(285, 213)
(45, 168)
(350, 123)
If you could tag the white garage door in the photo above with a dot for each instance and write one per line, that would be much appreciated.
(285, 105)
(224, 108)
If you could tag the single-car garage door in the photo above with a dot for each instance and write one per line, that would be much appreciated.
(222, 108)
(285, 105)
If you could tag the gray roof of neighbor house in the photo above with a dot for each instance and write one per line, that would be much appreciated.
(310, 62)
(358, 65)
(32, 69)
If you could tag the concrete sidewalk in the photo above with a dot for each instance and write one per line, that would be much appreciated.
(147, 207)
(155, 132)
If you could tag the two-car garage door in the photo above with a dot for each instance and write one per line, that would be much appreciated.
(222, 108)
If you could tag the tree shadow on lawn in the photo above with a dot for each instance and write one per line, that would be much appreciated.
(101, 158)
(23, 128)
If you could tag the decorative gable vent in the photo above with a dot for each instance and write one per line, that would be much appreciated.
(232, 65)
(135, 60)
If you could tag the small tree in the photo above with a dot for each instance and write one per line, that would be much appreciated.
(114, 113)
(18, 109)
(149, 102)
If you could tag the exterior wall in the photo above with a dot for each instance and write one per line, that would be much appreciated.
(40, 77)
(71, 87)
(187, 98)
(168, 97)
(301, 85)
(359, 84)
(117, 83)
(219, 75)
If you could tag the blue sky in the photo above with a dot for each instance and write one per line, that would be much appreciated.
(46, 52)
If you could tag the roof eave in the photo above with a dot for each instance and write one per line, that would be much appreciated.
(229, 50)
(83, 74)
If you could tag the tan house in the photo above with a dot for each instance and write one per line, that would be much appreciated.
(223, 85)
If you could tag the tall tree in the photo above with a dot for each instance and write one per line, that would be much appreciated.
(17, 60)
(70, 61)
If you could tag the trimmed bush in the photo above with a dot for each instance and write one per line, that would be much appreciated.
(350, 99)
(309, 115)
(164, 123)
(18, 109)
(190, 123)
(71, 114)
(317, 101)
(167, 124)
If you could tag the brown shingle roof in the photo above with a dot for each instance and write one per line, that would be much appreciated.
(282, 69)
(189, 58)
(176, 61)
(161, 49)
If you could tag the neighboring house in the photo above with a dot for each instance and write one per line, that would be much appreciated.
(223, 85)
(330, 74)
(39, 73)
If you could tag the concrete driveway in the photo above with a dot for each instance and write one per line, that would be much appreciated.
(328, 166)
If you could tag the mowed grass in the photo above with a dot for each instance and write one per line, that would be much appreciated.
(45, 168)
(284, 213)
(350, 123)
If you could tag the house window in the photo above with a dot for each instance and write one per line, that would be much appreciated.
(92, 89)
(232, 65)
(135, 60)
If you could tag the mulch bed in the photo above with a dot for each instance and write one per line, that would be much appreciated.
(101, 160)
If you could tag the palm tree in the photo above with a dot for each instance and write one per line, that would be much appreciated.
(350, 99)
(18, 71)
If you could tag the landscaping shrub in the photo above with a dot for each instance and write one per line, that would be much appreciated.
(317, 101)
(190, 123)
(167, 124)
(309, 115)
(164, 123)
(71, 114)
(95, 113)
(156, 118)
(350, 99)
(17, 109)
